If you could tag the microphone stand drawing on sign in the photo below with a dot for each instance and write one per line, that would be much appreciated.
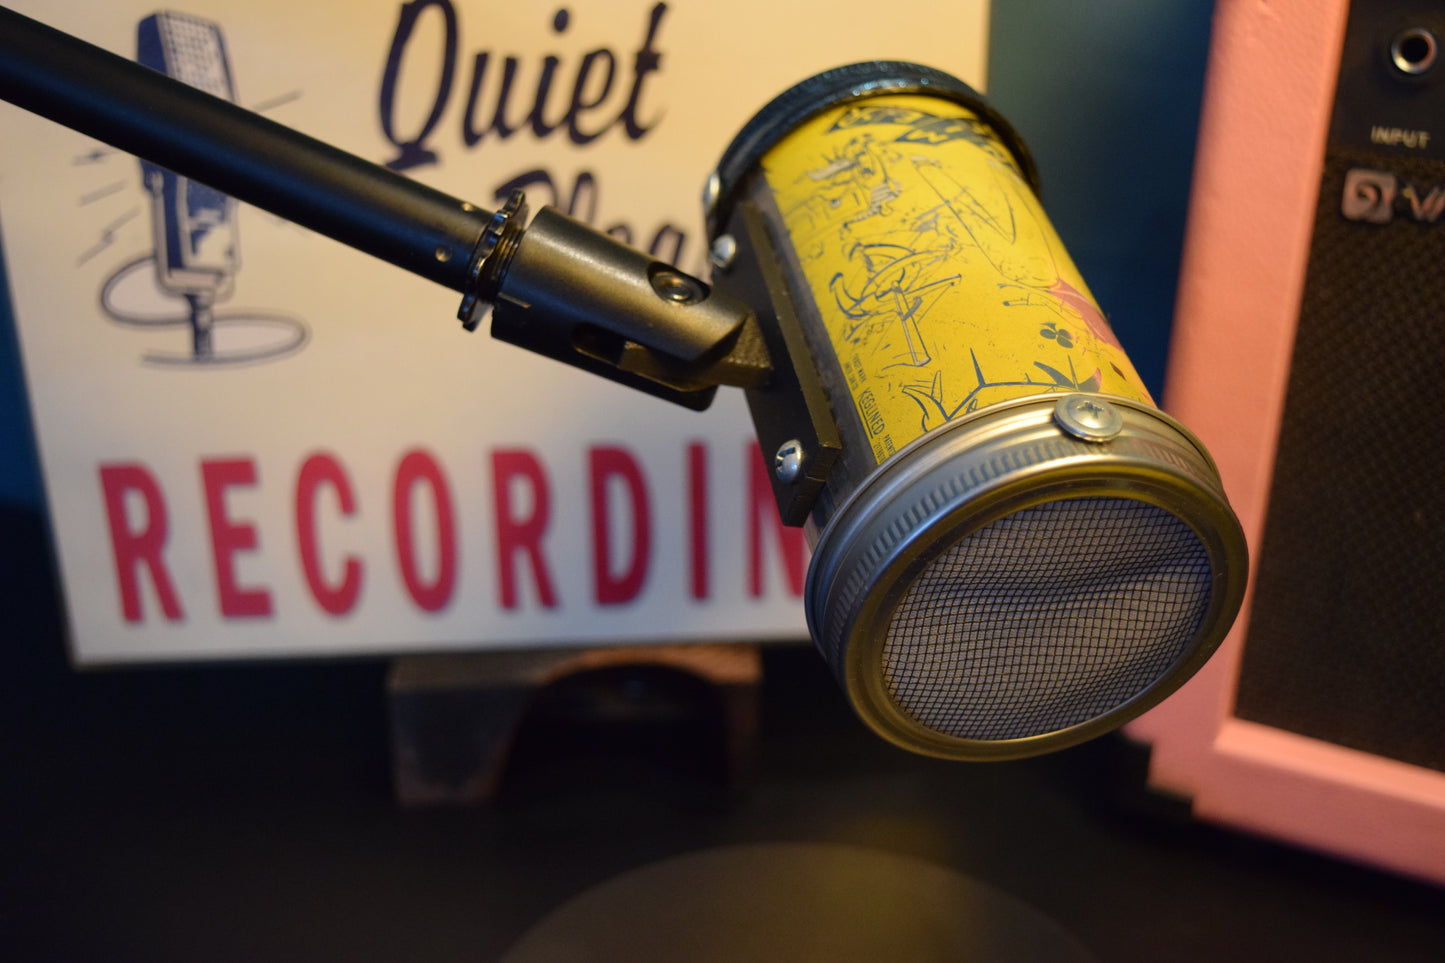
(196, 242)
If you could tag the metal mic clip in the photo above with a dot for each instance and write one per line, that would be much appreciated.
(561, 289)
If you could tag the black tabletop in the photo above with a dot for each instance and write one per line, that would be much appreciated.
(244, 812)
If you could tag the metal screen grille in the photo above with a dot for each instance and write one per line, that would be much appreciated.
(1046, 618)
(194, 55)
(1346, 627)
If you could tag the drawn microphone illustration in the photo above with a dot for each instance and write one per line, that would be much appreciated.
(197, 253)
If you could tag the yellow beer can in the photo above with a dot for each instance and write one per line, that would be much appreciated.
(1014, 549)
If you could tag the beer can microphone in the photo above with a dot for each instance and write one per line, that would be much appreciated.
(1015, 550)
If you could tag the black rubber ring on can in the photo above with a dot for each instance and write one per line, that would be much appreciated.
(838, 86)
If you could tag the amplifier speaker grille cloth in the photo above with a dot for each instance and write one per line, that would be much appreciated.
(1345, 635)
(1069, 609)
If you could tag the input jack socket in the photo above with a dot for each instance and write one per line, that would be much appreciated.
(1414, 50)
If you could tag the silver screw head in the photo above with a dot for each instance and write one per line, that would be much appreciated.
(788, 462)
(676, 287)
(711, 191)
(724, 249)
(1088, 418)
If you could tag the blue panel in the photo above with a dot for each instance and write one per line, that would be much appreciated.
(1107, 97)
(19, 466)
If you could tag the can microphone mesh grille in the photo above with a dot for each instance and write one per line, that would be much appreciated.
(1002, 588)
(1046, 619)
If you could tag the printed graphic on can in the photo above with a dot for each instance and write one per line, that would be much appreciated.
(941, 283)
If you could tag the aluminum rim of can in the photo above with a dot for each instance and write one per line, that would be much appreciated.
(976, 470)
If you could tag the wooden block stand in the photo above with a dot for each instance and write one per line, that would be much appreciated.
(455, 718)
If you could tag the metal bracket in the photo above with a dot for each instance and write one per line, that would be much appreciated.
(792, 408)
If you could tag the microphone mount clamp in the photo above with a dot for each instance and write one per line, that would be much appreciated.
(563, 290)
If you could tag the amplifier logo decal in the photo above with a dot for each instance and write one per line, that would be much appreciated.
(1377, 196)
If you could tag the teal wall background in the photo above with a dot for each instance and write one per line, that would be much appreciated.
(19, 469)
(1107, 96)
